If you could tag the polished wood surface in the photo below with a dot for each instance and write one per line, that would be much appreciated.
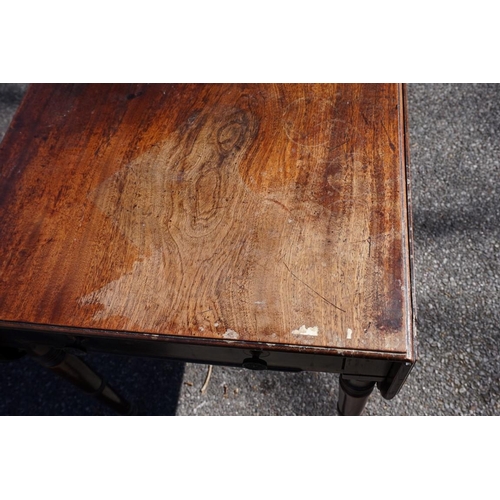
(272, 214)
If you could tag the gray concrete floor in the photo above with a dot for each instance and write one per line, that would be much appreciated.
(455, 158)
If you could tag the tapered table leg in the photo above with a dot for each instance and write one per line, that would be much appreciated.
(353, 395)
(82, 376)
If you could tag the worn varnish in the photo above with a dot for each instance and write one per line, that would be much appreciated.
(256, 213)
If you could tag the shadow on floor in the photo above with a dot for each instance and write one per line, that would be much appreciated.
(27, 388)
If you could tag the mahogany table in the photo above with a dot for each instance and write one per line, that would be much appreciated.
(265, 226)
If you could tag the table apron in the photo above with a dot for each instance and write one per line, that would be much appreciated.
(383, 371)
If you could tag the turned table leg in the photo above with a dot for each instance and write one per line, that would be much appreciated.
(353, 395)
(82, 376)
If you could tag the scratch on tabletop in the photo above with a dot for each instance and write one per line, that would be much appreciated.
(312, 289)
(388, 137)
(278, 203)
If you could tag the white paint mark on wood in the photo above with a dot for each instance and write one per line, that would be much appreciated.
(349, 334)
(231, 334)
(312, 330)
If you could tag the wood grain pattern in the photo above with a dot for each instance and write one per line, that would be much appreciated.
(255, 213)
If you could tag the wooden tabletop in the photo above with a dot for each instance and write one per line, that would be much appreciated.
(257, 213)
